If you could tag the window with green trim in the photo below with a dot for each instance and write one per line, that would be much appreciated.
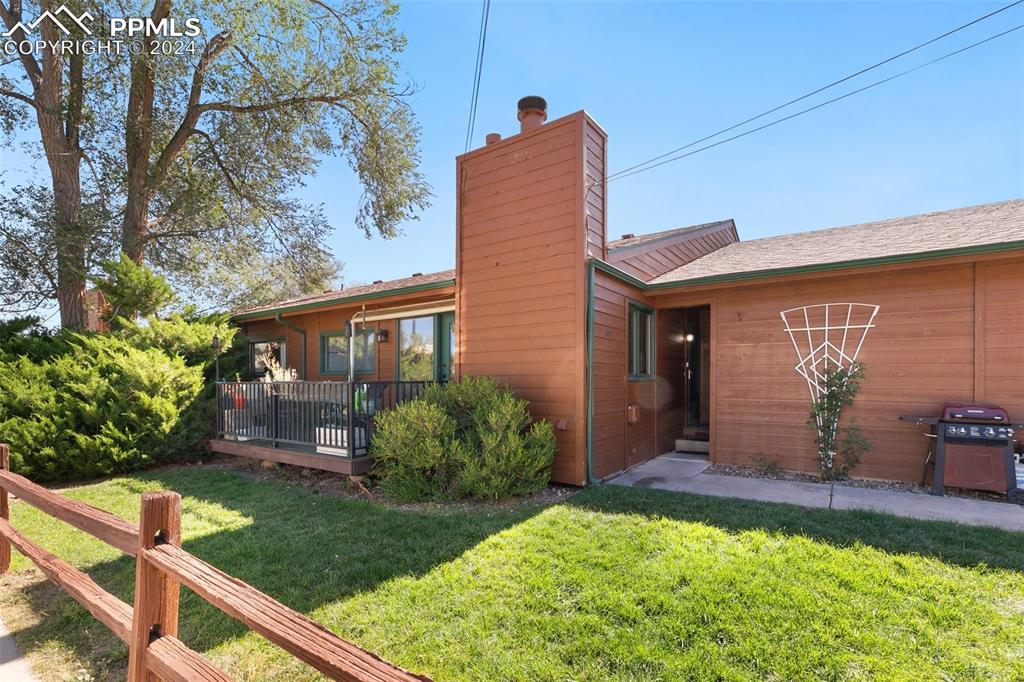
(641, 341)
(262, 351)
(334, 352)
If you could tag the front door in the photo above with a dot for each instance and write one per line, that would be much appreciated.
(696, 374)
(684, 366)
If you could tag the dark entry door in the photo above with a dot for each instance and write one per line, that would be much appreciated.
(696, 375)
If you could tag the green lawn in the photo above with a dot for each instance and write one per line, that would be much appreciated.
(613, 584)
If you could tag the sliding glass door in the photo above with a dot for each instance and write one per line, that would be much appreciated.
(425, 347)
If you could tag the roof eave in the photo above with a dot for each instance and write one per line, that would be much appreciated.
(687, 232)
(269, 313)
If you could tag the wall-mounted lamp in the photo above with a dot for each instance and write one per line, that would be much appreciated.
(346, 331)
(382, 336)
(688, 338)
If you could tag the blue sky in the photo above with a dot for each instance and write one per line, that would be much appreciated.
(659, 75)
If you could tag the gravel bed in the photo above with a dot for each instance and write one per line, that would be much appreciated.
(895, 486)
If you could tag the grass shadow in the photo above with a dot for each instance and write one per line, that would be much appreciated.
(951, 543)
(303, 548)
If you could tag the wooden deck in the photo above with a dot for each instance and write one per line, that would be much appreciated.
(293, 454)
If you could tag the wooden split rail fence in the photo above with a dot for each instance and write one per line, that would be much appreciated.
(150, 629)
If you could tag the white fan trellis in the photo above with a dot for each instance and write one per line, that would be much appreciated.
(827, 337)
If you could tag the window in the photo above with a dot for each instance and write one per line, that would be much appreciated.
(334, 352)
(641, 324)
(261, 351)
(416, 349)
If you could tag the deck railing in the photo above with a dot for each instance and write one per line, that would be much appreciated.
(150, 627)
(332, 417)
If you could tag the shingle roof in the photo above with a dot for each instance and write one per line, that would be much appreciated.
(636, 240)
(361, 291)
(962, 228)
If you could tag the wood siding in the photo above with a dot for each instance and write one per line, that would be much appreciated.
(944, 333)
(652, 259)
(525, 223)
(616, 444)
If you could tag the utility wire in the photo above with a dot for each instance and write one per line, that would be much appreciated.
(623, 174)
(480, 47)
(815, 92)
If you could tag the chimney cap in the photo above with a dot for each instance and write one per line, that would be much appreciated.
(533, 102)
(417, 274)
(628, 235)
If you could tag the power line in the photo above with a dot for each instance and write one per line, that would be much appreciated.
(623, 174)
(480, 47)
(815, 92)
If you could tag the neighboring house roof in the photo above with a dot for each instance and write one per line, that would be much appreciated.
(416, 283)
(638, 240)
(648, 256)
(974, 229)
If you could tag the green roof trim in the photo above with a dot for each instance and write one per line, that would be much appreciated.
(816, 267)
(619, 274)
(332, 302)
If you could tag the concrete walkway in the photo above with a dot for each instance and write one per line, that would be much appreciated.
(686, 473)
(13, 668)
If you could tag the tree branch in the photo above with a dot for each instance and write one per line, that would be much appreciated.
(193, 111)
(19, 96)
(11, 16)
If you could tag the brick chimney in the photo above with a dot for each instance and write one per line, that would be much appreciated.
(530, 214)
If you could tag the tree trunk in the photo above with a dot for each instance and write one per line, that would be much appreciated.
(134, 232)
(139, 145)
(67, 197)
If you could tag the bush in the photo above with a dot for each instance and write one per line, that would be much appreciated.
(840, 447)
(471, 439)
(103, 408)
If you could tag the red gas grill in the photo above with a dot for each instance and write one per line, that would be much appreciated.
(973, 449)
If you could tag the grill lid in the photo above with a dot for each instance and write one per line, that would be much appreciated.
(975, 413)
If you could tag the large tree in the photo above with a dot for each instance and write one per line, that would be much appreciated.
(187, 153)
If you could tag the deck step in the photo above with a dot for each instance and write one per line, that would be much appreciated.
(684, 445)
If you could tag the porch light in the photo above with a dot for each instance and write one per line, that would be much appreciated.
(689, 338)
(382, 335)
(347, 330)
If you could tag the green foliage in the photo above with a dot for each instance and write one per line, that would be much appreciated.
(131, 290)
(104, 407)
(215, 182)
(26, 336)
(191, 339)
(470, 439)
(76, 406)
(840, 447)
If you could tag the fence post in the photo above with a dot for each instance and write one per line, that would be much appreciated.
(5, 509)
(155, 613)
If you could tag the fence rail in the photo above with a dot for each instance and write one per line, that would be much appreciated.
(332, 417)
(150, 628)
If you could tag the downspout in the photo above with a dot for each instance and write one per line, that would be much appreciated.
(590, 371)
(302, 348)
